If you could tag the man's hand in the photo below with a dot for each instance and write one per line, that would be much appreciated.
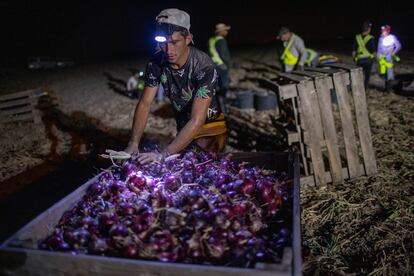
(148, 157)
(132, 148)
(299, 68)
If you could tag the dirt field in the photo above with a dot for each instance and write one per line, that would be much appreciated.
(362, 227)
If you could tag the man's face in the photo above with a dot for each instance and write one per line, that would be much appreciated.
(285, 36)
(385, 33)
(223, 33)
(175, 47)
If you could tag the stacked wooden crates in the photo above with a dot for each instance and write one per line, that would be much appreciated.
(317, 134)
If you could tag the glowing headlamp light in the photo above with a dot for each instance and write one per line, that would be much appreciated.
(388, 40)
(160, 38)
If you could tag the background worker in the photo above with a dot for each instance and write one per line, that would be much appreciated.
(134, 85)
(388, 47)
(364, 51)
(189, 79)
(312, 58)
(220, 54)
(294, 53)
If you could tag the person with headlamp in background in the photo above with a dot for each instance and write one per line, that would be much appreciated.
(190, 80)
(388, 47)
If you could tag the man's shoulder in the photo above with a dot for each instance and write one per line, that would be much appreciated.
(200, 59)
(298, 38)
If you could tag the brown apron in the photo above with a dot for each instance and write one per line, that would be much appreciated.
(212, 136)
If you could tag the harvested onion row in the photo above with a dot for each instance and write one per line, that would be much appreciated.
(192, 208)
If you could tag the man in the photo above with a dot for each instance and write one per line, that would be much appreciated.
(312, 58)
(388, 47)
(364, 51)
(189, 80)
(220, 54)
(294, 53)
(134, 85)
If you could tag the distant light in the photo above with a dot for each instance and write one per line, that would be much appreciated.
(141, 73)
(388, 40)
(159, 38)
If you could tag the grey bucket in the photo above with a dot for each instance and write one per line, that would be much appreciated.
(244, 99)
(265, 101)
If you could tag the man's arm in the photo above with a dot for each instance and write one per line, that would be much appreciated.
(371, 46)
(190, 130)
(302, 51)
(397, 46)
(185, 136)
(140, 118)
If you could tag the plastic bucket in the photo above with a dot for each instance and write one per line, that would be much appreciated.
(265, 101)
(244, 99)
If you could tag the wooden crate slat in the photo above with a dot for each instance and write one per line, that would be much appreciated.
(36, 112)
(292, 77)
(364, 129)
(36, 262)
(11, 103)
(331, 139)
(299, 131)
(321, 70)
(18, 110)
(342, 66)
(16, 118)
(16, 95)
(309, 74)
(288, 91)
(347, 124)
(308, 98)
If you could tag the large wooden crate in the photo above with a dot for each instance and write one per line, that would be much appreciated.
(20, 106)
(19, 257)
(331, 150)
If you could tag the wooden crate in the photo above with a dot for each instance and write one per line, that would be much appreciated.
(316, 134)
(18, 257)
(20, 106)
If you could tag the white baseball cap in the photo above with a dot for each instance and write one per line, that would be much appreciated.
(174, 16)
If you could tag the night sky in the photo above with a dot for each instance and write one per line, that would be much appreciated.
(85, 30)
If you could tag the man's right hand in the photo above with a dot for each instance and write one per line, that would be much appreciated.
(132, 148)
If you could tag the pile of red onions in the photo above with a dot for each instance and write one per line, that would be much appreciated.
(195, 208)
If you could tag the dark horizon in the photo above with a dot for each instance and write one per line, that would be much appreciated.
(89, 30)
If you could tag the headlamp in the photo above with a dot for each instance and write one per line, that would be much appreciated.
(160, 38)
(164, 30)
(388, 40)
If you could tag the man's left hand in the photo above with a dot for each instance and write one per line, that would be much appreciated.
(149, 157)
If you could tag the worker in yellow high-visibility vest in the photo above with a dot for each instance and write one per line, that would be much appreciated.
(220, 54)
(364, 51)
(294, 53)
(312, 57)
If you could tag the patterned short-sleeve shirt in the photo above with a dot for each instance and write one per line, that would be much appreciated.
(196, 79)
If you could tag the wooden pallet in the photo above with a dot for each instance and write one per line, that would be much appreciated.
(20, 106)
(324, 160)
